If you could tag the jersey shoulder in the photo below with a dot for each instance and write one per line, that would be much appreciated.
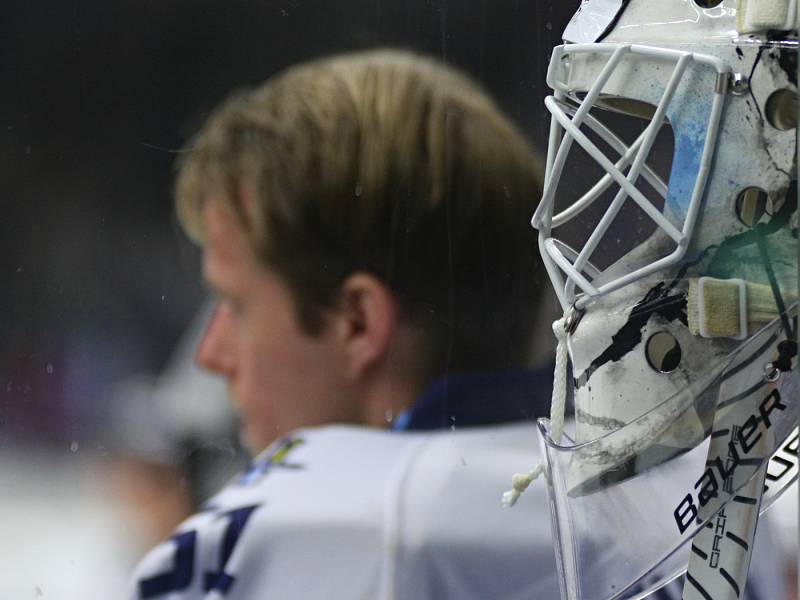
(350, 512)
(313, 498)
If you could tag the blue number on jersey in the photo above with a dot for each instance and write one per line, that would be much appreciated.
(220, 580)
(180, 576)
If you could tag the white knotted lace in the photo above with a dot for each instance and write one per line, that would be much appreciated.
(521, 481)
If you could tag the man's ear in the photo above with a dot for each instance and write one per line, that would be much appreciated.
(367, 319)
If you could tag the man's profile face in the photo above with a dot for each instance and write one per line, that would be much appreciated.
(279, 377)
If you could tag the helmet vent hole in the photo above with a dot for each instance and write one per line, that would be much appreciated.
(751, 205)
(781, 109)
(663, 352)
(707, 3)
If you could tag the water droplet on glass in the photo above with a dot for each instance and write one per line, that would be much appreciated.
(388, 414)
(358, 190)
(73, 447)
(49, 369)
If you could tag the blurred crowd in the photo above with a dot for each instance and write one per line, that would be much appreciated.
(98, 99)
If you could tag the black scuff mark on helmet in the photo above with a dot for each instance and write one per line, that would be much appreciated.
(787, 60)
(780, 170)
(613, 23)
(787, 50)
(756, 62)
(658, 301)
(762, 140)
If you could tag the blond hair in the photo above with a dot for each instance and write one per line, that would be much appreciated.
(389, 163)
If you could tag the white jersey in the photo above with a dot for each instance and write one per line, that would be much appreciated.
(353, 513)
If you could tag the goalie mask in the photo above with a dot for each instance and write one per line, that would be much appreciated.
(678, 281)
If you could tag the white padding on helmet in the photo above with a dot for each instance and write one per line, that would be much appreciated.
(762, 15)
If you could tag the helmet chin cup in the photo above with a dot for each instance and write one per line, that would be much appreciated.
(654, 485)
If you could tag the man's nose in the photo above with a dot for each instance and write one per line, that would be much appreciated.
(214, 352)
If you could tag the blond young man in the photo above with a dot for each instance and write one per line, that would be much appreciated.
(364, 223)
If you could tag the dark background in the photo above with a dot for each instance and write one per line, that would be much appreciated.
(97, 98)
